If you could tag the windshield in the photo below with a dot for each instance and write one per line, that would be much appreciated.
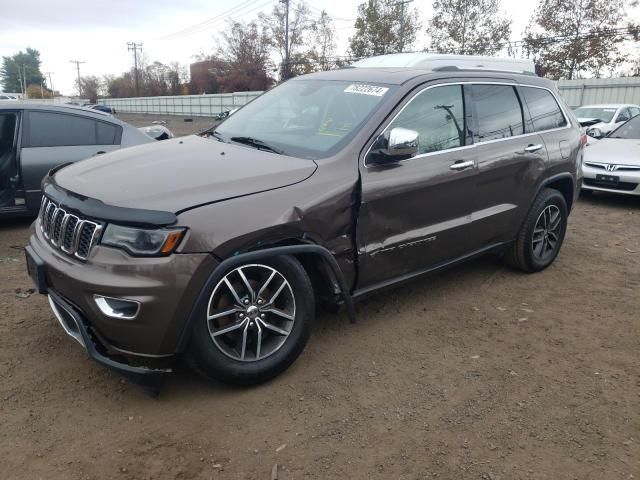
(629, 130)
(602, 114)
(304, 118)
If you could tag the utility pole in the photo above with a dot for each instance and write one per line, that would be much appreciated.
(48, 74)
(78, 62)
(285, 72)
(402, 4)
(24, 80)
(134, 47)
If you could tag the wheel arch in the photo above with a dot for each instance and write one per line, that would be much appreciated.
(564, 184)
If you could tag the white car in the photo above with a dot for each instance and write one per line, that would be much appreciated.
(602, 119)
(613, 163)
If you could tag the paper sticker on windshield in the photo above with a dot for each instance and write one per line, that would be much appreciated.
(363, 89)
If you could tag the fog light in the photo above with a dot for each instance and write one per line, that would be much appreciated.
(117, 307)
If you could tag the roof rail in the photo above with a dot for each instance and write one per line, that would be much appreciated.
(445, 62)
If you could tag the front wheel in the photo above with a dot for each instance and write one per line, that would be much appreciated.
(541, 236)
(257, 322)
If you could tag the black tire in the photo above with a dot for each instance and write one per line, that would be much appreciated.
(208, 359)
(521, 253)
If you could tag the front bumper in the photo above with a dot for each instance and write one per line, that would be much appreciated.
(165, 287)
(628, 184)
(77, 327)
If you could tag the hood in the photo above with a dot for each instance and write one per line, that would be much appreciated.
(589, 122)
(617, 151)
(181, 173)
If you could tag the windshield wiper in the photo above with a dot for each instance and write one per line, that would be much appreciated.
(259, 144)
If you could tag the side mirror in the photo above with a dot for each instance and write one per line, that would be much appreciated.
(395, 145)
(595, 133)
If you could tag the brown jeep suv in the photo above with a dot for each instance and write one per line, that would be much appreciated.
(331, 186)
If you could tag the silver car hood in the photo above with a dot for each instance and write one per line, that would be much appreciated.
(617, 151)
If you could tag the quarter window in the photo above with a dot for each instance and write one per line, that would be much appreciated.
(498, 112)
(50, 129)
(545, 111)
(437, 114)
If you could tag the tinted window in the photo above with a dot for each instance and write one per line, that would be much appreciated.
(498, 112)
(437, 114)
(107, 133)
(544, 110)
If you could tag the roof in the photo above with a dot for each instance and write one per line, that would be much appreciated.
(402, 75)
(439, 62)
(61, 108)
(400, 68)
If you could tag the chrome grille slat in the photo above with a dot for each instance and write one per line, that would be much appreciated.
(69, 233)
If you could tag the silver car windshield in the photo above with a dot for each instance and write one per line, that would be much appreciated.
(602, 114)
(629, 130)
(304, 118)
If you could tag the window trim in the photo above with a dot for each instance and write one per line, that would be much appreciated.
(473, 145)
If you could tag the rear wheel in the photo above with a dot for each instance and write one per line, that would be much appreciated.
(256, 323)
(541, 236)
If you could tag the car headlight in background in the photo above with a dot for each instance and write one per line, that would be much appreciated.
(142, 241)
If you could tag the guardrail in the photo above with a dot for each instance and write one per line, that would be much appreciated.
(191, 105)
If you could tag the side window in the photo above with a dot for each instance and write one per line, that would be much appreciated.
(498, 112)
(545, 112)
(634, 111)
(437, 114)
(107, 134)
(49, 129)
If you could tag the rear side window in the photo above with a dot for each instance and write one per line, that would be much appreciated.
(498, 112)
(545, 111)
(50, 129)
(437, 114)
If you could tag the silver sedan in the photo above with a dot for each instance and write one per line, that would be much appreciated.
(613, 163)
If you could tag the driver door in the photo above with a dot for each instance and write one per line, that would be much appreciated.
(416, 213)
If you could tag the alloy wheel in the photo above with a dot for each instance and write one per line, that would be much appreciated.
(546, 233)
(251, 312)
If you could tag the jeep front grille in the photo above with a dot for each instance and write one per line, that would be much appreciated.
(69, 233)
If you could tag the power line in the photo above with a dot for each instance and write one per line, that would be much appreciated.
(134, 47)
(78, 62)
(211, 21)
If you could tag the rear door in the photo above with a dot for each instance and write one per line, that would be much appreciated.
(510, 159)
(52, 138)
(415, 213)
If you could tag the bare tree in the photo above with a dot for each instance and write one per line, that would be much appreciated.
(569, 38)
(243, 58)
(295, 44)
(468, 27)
(324, 42)
(383, 26)
(91, 87)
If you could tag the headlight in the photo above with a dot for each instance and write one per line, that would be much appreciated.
(141, 241)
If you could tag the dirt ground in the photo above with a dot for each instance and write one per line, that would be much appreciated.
(478, 373)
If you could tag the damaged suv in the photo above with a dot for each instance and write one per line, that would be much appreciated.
(327, 188)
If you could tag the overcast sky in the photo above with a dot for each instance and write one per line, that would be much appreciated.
(97, 31)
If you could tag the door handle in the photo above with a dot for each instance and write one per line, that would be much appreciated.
(461, 165)
(532, 148)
